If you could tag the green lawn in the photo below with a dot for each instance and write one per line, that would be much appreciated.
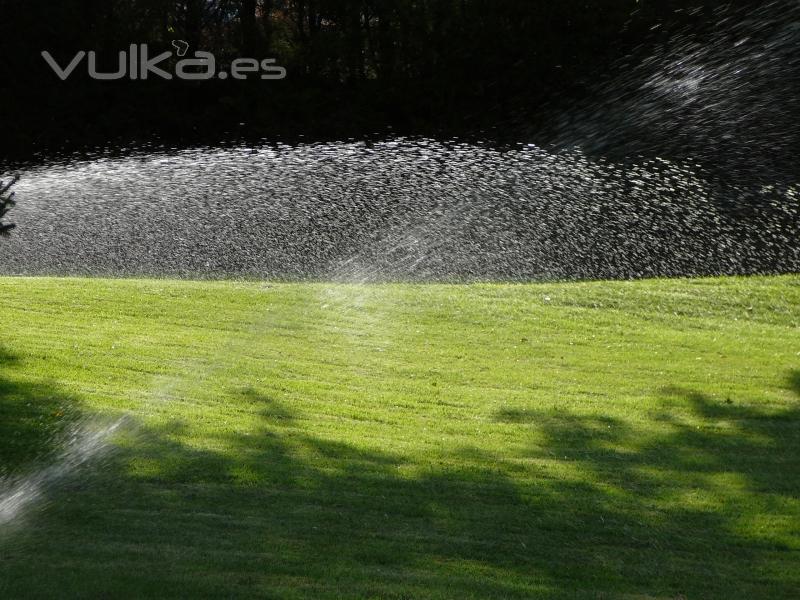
(576, 440)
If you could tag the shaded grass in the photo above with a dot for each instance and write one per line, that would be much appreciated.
(33, 419)
(311, 440)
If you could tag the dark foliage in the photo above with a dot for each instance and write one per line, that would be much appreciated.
(354, 66)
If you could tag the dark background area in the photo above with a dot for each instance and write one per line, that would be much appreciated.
(355, 67)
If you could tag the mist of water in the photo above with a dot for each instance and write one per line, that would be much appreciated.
(683, 161)
(399, 209)
(85, 442)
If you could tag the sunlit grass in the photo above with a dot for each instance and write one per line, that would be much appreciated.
(333, 440)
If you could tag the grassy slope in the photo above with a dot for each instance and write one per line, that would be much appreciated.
(563, 440)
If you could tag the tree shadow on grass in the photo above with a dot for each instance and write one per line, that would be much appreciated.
(33, 417)
(698, 501)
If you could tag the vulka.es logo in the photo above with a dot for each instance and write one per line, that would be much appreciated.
(136, 63)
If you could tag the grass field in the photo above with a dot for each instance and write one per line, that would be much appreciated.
(576, 440)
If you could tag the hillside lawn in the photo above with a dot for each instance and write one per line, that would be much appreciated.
(554, 440)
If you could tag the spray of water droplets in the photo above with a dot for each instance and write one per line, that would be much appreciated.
(683, 162)
(85, 443)
(724, 100)
(400, 209)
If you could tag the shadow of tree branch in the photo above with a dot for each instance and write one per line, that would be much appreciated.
(700, 502)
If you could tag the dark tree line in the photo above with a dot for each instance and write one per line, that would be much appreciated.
(353, 65)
